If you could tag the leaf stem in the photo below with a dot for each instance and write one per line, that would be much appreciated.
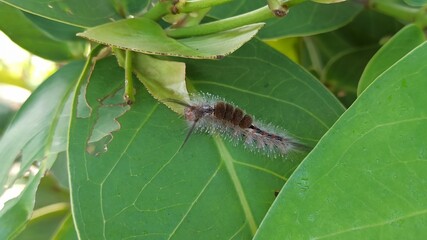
(258, 15)
(277, 8)
(159, 10)
(170, 7)
(228, 161)
(129, 89)
(194, 5)
(88, 66)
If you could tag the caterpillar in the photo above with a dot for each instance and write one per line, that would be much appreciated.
(218, 116)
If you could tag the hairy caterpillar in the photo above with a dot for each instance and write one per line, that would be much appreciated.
(217, 116)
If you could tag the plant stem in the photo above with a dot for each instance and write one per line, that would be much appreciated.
(165, 7)
(194, 5)
(89, 65)
(398, 10)
(277, 8)
(258, 15)
(129, 89)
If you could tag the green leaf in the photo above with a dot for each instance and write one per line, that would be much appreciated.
(66, 231)
(146, 36)
(44, 222)
(31, 143)
(328, 1)
(6, 115)
(366, 31)
(156, 76)
(415, 3)
(304, 19)
(81, 13)
(17, 211)
(34, 126)
(343, 72)
(402, 43)
(370, 28)
(287, 46)
(59, 171)
(311, 18)
(28, 36)
(144, 186)
(372, 183)
(56, 30)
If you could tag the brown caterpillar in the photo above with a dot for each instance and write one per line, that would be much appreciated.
(233, 122)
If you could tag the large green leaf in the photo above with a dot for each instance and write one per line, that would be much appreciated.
(370, 28)
(304, 19)
(319, 52)
(31, 144)
(82, 13)
(415, 3)
(403, 42)
(55, 29)
(143, 186)
(146, 36)
(29, 36)
(372, 183)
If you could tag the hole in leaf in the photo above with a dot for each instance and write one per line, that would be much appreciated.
(112, 107)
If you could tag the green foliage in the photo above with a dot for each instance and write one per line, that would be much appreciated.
(28, 35)
(366, 188)
(83, 140)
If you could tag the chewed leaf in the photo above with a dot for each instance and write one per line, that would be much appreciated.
(145, 185)
(146, 36)
(112, 107)
(16, 211)
(31, 144)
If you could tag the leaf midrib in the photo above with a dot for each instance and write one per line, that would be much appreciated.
(229, 165)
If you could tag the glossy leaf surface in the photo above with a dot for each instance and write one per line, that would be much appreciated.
(402, 43)
(372, 184)
(304, 19)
